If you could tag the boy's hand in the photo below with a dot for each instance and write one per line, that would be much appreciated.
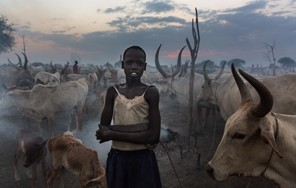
(101, 134)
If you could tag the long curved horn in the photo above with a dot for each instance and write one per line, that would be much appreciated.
(178, 63)
(206, 76)
(186, 66)
(182, 70)
(162, 72)
(19, 60)
(266, 99)
(221, 70)
(26, 61)
(245, 93)
(16, 65)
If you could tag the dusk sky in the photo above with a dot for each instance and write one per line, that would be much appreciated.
(98, 31)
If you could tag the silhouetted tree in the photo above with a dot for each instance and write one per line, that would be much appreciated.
(210, 66)
(287, 62)
(269, 54)
(7, 40)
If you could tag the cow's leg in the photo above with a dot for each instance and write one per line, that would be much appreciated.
(95, 86)
(53, 175)
(79, 116)
(17, 156)
(82, 181)
(34, 175)
(73, 115)
(51, 123)
(40, 125)
(105, 82)
(60, 178)
(84, 178)
(208, 111)
(28, 121)
(70, 120)
(29, 172)
(50, 178)
(43, 169)
(198, 122)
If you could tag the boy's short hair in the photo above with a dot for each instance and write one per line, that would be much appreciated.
(134, 47)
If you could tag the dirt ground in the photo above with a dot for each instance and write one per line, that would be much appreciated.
(189, 164)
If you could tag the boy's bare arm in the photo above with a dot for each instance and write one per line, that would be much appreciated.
(107, 113)
(129, 128)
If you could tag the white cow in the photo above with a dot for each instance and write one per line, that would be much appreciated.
(256, 141)
(178, 87)
(46, 78)
(223, 90)
(93, 80)
(17, 74)
(34, 70)
(43, 102)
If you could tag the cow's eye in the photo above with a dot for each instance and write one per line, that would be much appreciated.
(238, 136)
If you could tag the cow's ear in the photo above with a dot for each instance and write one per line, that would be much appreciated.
(267, 133)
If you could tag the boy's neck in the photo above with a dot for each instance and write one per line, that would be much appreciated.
(133, 83)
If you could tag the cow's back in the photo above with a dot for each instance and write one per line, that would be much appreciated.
(66, 151)
(63, 97)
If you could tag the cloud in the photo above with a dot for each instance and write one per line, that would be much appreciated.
(130, 23)
(114, 10)
(157, 7)
(225, 34)
(243, 31)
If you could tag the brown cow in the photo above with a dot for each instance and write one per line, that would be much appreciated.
(67, 152)
(30, 147)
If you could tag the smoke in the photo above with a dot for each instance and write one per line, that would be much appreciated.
(167, 135)
(88, 137)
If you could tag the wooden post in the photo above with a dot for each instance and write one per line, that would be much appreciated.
(193, 53)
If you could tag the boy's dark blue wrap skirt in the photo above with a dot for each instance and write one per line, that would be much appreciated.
(132, 169)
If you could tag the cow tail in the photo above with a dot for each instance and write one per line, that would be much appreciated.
(100, 172)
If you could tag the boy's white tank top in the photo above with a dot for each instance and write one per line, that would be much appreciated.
(129, 111)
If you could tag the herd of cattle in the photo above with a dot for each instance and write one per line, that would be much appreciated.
(259, 136)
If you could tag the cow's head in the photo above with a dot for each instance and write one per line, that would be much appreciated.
(208, 88)
(166, 84)
(249, 135)
(23, 77)
(33, 151)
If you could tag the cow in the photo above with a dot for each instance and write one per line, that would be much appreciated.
(34, 70)
(72, 77)
(100, 73)
(43, 102)
(110, 74)
(66, 152)
(47, 78)
(66, 75)
(93, 80)
(17, 74)
(256, 141)
(217, 92)
(178, 87)
(31, 148)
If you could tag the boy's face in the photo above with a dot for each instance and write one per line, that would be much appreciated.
(134, 63)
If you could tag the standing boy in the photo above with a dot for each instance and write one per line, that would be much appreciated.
(134, 107)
